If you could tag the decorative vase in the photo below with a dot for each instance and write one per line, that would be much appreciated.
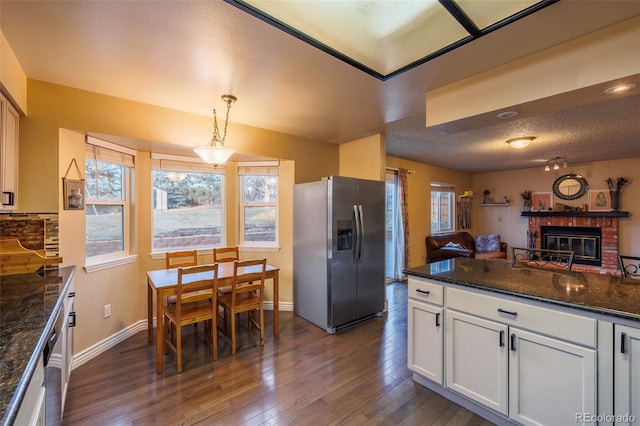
(615, 199)
(527, 204)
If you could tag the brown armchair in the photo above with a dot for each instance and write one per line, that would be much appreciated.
(462, 244)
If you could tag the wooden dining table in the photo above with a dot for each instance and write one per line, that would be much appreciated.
(163, 283)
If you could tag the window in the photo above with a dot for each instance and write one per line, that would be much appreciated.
(258, 204)
(187, 204)
(442, 206)
(109, 173)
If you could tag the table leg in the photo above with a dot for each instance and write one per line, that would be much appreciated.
(149, 312)
(159, 332)
(276, 303)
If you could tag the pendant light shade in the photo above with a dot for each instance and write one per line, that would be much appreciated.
(215, 152)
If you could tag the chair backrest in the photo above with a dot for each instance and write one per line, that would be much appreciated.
(225, 254)
(248, 276)
(546, 258)
(179, 259)
(629, 266)
(196, 283)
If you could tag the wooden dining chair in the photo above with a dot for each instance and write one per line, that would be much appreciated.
(224, 255)
(629, 266)
(179, 259)
(247, 295)
(196, 301)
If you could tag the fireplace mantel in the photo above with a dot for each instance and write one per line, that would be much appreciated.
(576, 214)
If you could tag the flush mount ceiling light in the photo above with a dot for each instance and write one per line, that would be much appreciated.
(619, 88)
(556, 163)
(507, 114)
(215, 152)
(521, 142)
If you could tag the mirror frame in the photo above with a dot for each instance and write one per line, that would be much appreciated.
(584, 186)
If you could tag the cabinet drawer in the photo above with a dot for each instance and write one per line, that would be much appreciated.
(426, 290)
(563, 325)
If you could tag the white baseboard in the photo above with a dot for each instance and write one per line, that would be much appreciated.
(122, 335)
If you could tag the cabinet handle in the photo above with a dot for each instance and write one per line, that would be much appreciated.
(71, 294)
(502, 311)
(623, 345)
(7, 198)
(423, 291)
(72, 317)
(437, 320)
(513, 342)
(501, 338)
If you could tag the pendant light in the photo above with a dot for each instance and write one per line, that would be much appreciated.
(215, 152)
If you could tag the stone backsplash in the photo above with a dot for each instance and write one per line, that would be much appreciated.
(35, 231)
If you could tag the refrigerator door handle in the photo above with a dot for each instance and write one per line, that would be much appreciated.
(361, 234)
(356, 247)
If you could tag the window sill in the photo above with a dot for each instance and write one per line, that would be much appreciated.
(269, 249)
(91, 267)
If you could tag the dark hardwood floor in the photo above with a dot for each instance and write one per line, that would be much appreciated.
(304, 376)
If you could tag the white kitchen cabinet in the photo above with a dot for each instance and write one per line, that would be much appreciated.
(477, 359)
(425, 340)
(551, 382)
(526, 362)
(67, 342)
(9, 127)
(626, 361)
(32, 408)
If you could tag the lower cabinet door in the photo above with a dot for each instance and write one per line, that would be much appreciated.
(626, 361)
(425, 340)
(477, 359)
(550, 382)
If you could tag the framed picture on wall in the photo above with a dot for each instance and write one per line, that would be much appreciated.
(542, 201)
(73, 194)
(599, 200)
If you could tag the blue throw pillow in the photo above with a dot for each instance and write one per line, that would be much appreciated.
(488, 242)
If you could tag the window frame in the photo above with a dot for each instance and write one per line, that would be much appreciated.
(125, 158)
(440, 189)
(258, 168)
(176, 163)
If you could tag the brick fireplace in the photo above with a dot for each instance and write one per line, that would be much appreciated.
(606, 221)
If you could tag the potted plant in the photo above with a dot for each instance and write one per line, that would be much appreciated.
(527, 199)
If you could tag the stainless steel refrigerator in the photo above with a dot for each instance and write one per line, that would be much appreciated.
(338, 251)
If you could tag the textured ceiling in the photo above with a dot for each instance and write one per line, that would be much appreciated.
(185, 54)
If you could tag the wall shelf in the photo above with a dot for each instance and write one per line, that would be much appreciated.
(496, 205)
(577, 214)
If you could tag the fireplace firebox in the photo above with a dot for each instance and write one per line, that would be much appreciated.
(584, 241)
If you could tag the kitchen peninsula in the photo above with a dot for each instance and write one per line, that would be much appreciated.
(32, 306)
(526, 345)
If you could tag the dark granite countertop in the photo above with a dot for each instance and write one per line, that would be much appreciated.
(28, 305)
(602, 294)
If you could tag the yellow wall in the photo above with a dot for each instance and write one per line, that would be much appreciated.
(420, 200)
(53, 134)
(52, 107)
(513, 228)
(12, 77)
(363, 158)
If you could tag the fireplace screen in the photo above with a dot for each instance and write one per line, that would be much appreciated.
(585, 242)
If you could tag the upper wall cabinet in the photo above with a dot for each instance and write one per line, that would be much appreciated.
(9, 126)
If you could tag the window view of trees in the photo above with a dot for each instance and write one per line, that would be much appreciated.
(187, 209)
(259, 201)
(105, 207)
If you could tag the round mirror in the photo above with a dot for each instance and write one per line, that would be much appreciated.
(570, 186)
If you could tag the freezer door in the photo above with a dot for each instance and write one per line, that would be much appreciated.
(371, 287)
(342, 235)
